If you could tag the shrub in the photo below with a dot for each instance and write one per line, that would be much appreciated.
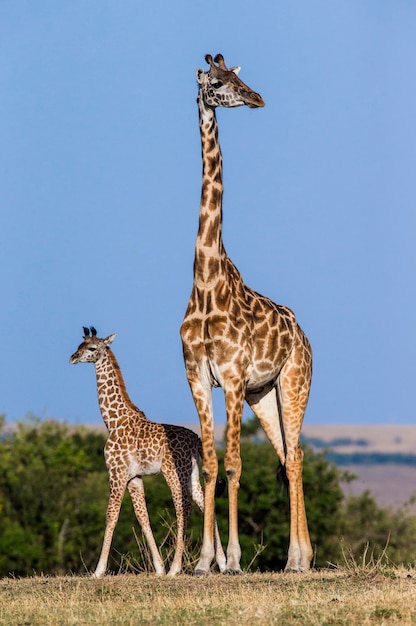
(54, 493)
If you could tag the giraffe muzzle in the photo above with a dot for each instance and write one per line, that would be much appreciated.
(253, 100)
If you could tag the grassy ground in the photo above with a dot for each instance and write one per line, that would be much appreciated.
(343, 596)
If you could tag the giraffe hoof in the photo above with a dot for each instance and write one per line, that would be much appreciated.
(233, 572)
(200, 572)
(292, 570)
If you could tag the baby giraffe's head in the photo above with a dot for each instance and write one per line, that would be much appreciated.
(92, 348)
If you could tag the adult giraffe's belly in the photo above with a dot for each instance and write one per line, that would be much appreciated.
(265, 367)
(260, 378)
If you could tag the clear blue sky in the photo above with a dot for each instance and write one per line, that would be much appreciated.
(100, 185)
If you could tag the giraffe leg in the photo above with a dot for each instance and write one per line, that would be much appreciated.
(293, 388)
(300, 549)
(292, 403)
(234, 400)
(113, 511)
(136, 490)
(198, 497)
(183, 505)
(210, 472)
(202, 395)
(264, 406)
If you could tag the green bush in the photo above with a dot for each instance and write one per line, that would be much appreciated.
(364, 523)
(54, 493)
(44, 472)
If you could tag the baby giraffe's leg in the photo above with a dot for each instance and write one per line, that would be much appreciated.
(113, 511)
(183, 505)
(136, 490)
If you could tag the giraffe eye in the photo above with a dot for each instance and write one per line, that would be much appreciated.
(92, 349)
(217, 84)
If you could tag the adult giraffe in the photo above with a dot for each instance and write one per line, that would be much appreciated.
(241, 341)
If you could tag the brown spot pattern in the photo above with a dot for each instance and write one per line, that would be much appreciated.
(247, 343)
(137, 447)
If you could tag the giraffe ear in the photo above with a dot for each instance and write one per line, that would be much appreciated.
(235, 70)
(201, 76)
(109, 340)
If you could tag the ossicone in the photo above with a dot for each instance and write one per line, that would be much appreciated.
(218, 59)
(87, 331)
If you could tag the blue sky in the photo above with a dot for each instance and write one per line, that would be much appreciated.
(100, 184)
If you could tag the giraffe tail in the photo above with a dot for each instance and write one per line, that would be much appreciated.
(282, 480)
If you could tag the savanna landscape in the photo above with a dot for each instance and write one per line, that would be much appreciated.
(51, 531)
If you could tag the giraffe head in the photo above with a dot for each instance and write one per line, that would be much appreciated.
(221, 86)
(92, 348)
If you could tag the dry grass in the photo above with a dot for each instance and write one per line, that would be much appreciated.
(365, 590)
(351, 595)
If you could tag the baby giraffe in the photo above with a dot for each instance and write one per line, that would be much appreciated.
(137, 447)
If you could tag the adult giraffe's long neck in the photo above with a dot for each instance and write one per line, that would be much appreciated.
(113, 398)
(209, 249)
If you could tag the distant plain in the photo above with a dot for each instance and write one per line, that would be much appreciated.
(392, 484)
